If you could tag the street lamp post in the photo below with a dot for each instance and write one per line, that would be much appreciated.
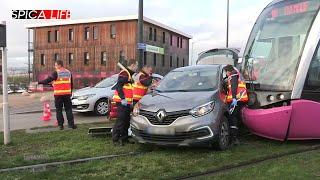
(227, 40)
(140, 33)
(6, 121)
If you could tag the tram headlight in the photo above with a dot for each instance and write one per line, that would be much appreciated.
(270, 98)
(280, 96)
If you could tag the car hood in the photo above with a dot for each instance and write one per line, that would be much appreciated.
(92, 90)
(176, 101)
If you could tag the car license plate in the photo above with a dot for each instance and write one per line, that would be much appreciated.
(161, 130)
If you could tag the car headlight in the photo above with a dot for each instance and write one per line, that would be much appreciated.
(136, 109)
(202, 109)
(85, 97)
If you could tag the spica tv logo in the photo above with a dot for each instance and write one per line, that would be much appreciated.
(41, 14)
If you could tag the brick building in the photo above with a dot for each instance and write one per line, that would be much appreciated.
(91, 48)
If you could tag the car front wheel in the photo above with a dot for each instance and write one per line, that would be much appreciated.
(223, 138)
(101, 107)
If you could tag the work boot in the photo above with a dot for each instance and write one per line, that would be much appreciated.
(61, 127)
(73, 127)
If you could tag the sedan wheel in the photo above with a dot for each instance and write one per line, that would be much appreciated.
(102, 107)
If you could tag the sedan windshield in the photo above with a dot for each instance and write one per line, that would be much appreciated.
(276, 43)
(107, 82)
(189, 80)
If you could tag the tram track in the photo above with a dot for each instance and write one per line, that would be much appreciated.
(245, 164)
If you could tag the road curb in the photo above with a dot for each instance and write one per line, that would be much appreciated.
(30, 112)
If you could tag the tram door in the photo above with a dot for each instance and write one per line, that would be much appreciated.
(305, 117)
(311, 90)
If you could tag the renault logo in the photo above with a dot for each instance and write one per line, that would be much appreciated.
(161, 115)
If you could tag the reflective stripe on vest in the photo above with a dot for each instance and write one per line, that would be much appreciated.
(241, 89)
(127, 90)
(62, 86)
(139, 90)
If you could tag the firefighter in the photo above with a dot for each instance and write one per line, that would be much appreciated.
(123, 96)
(236, 98)
(142, 81)
(61, 80)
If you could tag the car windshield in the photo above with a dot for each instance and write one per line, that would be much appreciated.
(276, 43)
(107, 82)
(202, 79)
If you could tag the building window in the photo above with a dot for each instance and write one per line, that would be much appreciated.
(155, 34)
(95, 32)
(171, 39)
(56, 57)
(113, 31)
(49, 36)
(70, 59)
(180, 42)
(171, 61)
(42, 60)
(163, 63)
(56, 35)
(104, 58)
(163, 37)
(86, 33)
(71, 35)
(150, 34)
(177, 61)
(144, 58)
(86, 58)
(183, 62)
(154, 59)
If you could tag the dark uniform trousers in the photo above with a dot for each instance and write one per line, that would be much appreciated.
(234, 120)
(120, 129)
(60, 102)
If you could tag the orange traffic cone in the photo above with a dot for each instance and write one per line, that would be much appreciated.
(46, 116)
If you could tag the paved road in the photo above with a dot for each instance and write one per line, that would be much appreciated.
(26, 121)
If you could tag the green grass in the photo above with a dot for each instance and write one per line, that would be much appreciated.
(301, 166)
(161, 163)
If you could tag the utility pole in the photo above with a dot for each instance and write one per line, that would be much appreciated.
(140, 33)
(6, 120)
(29, 51)
(227, 42)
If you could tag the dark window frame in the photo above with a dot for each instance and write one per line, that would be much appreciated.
(86, 33)
(42, 59)
(150, 34)
(85, 59)
(171, 61)
(70, 58)
(163, 37)
(145, 58)
(104, 58)
(95, 32)
(113, 31)
(171, 39)
(163, 60)
(71, 34)
(155, 34)
(154, 59)
(56, 35)
(49, 36)
(178, 62)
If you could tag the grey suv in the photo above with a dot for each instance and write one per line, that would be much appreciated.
(185, 109)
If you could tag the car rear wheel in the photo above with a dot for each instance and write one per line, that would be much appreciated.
(101, 107)
(223, 138)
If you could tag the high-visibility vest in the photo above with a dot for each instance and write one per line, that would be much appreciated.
(62, 86)
(127, 90)
(241, 89)
(139, 90)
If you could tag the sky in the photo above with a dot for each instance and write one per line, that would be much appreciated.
(205, 20)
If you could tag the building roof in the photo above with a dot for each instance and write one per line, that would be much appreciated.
(106, 19)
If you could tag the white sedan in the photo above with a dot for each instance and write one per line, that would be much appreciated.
(96, 99)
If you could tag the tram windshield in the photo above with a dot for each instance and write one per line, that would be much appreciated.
(276, 43)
